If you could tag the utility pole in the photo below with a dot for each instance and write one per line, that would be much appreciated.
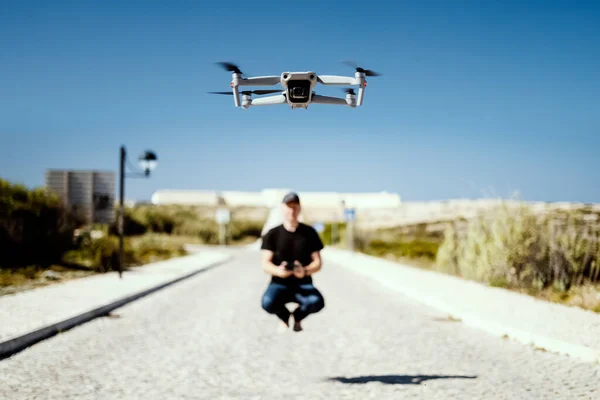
(121, 207)
(148, 162)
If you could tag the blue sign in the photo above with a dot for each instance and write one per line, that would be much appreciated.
(349, 214)
(319, 227)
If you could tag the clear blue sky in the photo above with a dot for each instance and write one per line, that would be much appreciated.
(503, 96)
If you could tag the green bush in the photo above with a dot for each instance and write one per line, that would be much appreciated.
(149, 249)
(35, 227)
(105, 254)
(412, 248)
(131, 226)
(331, 235)
(184, 221)
(240, 230)
(159, 219)
(205, 230)
(101, 255)
(159, 222)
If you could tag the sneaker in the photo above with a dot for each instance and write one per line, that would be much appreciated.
(297, 326)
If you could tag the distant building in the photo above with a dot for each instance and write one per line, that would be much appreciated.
(271, 197)
(90, 193)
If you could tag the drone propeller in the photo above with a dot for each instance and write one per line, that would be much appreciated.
(367, 72)
(249, 92)
(230, 67)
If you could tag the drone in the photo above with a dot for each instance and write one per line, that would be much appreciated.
(298, 88)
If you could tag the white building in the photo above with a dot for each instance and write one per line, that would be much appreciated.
(271, 197)
(187, 197)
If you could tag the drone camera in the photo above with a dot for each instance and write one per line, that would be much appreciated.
(299, 91)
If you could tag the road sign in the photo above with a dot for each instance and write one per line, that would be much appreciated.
(223, 216)
(319, 227)
(349, 214)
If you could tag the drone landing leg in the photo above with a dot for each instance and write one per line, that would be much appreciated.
(361, 95)
(236, 96)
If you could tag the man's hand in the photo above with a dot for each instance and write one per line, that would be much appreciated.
(299, 271)
(282, 271)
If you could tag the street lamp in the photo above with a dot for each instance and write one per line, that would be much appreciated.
(147, 161)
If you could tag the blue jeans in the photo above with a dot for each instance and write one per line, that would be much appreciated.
(309, 299)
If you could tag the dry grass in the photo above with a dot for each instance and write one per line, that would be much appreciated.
(586, 296)
(194, 222)
(513, 247)
(96, 256)
(553, 256)
(27, 278)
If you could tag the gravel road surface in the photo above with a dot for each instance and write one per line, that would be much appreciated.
(208, 338)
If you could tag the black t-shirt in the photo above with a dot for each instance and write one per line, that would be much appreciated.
(289, 246)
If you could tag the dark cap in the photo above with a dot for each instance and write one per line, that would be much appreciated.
(291, 197)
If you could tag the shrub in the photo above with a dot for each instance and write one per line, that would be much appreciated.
(105, 254)
(413, 248)
(184, 221)
(240, 230)
(204, 229)
(150, 249)
(331, 235)
(131, 226)
(35, 227)
(101, 255)
(447, 254)
(163, 219)
(512, 246)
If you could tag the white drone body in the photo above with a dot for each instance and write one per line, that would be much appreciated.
(298, 89)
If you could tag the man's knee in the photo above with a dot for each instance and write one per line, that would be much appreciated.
(268, 304)
(317, 303)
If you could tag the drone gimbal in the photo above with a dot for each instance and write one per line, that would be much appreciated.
(298, 88)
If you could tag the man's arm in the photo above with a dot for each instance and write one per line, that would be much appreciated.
(267, 250)
(316, 263)
(269, 267)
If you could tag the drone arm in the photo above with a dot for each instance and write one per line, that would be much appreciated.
(319, 99)
(257, 81)
(337, 80)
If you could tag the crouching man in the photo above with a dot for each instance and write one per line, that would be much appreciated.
(291, 255)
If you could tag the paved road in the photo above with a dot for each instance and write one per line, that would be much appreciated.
(208, 338)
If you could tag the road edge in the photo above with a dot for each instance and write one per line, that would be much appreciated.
(15, 345)
(536, 340)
